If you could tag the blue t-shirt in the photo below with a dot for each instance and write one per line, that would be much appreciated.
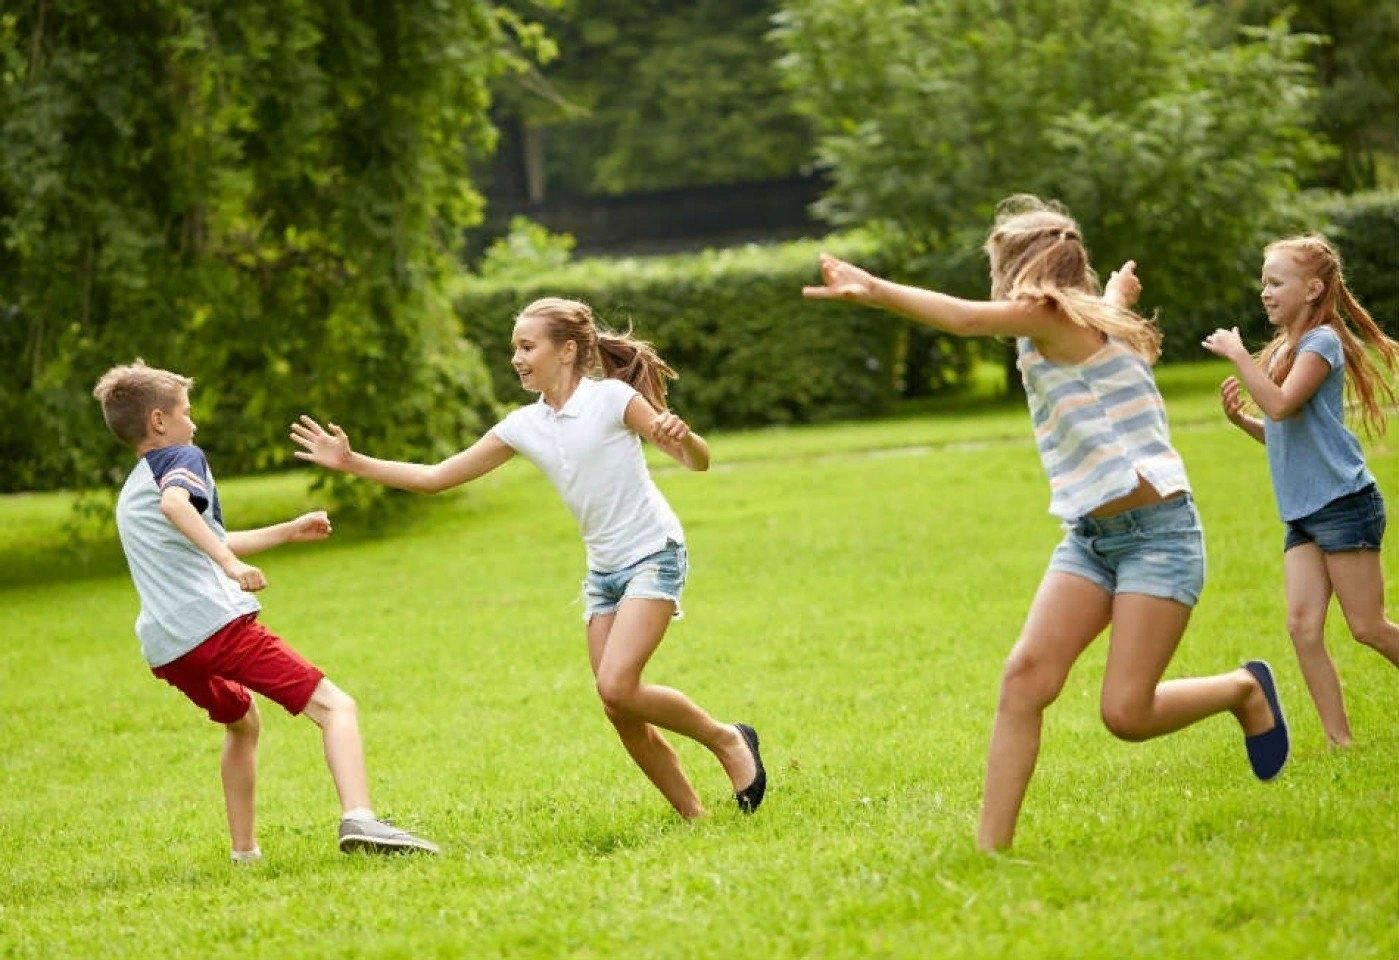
(1312, 455)
(185, 596)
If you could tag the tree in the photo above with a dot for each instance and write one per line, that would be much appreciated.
(1168, 149)
(650, 94)
(1357, 69)
(264, 195)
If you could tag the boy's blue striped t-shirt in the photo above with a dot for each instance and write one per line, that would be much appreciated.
(185, 596)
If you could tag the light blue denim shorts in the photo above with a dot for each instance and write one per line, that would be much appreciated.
(1157, 550)
(660, 576)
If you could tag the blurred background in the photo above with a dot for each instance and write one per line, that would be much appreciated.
(337, 207)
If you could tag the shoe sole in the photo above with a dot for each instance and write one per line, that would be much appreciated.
(359, 842)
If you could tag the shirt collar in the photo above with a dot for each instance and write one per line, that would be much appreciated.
(573, 408)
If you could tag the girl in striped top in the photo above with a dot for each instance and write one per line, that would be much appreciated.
(1133, 551)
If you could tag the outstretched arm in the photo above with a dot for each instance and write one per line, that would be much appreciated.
(669, 433)
(309, 526)
(175, 505)
(963, 318)
(331, 449)
(1277, 401)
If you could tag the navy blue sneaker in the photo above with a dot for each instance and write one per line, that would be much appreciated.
(1267, 751)
(751, 796)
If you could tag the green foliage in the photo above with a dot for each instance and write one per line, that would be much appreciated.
(266, 196)
(1358, 72)
(1180, 154)
(748, 348)
(661, 94)
(1365, 227)
(528, 248)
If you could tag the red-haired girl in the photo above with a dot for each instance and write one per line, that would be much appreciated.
(1327, 498)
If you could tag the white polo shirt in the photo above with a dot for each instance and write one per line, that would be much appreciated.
(595, 462)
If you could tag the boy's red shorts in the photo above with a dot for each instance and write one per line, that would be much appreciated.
(242, 656)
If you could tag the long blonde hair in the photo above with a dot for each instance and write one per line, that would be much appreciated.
(1037, 253)
(618, 356)
(1337, 307)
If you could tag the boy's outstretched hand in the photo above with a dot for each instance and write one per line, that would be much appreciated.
(310, 526)
(330, 450)
(843, 281)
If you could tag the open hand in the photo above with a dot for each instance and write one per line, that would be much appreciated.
(667, 428)
(328, 449)
(1123, 287)
(1227, 344)
(842, 281)
(1231, 399)
(310, 526)
(247, 576)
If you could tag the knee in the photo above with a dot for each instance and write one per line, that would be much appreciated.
(248, 726)
(1027, 681)
(330, 703)
(1306, 627)
(617, 695)
(1124, 719)
(1372, 633)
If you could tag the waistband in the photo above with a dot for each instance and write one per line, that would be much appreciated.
(1133, 519)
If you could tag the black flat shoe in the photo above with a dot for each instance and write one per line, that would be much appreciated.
(751, 796)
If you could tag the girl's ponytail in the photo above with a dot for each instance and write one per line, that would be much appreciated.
(623, 357)
(1371, 388)
(618, 356)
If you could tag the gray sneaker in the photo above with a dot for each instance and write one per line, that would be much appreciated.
(377, 836)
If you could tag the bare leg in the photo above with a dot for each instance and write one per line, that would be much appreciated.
(333, 710)
(1358, 580)
(1308, 595)
(656, 758)
(1137, 706)
(637, 629)
(1067, 613)
(238, 769)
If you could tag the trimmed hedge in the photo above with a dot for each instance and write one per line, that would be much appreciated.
(1365, 227)
(751, 351)
(748, 348)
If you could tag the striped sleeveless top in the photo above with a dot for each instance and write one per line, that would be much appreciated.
(1099, 426)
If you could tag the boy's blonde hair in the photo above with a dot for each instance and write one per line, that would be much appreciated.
(1338, 308)
(130, 392)
(1037, 253)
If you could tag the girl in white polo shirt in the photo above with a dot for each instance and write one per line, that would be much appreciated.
(584, 434)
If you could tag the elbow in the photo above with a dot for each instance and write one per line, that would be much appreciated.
(700, 466)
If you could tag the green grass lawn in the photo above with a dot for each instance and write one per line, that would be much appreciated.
(854, 589)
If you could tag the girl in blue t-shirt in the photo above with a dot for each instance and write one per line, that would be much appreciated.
(1327, 497)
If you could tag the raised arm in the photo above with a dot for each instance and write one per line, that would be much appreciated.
(175, 505)
(669, 433)
(309, 526)
(1277, 401)
(331, 449)
(963, 318)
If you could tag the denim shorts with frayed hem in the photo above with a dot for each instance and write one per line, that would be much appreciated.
(660, 576)
(1353, 522)
(1156, 550)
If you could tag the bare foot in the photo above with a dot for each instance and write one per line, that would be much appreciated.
(737, 759)
(1254, 714)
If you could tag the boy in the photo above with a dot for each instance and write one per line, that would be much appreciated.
(198, 622)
